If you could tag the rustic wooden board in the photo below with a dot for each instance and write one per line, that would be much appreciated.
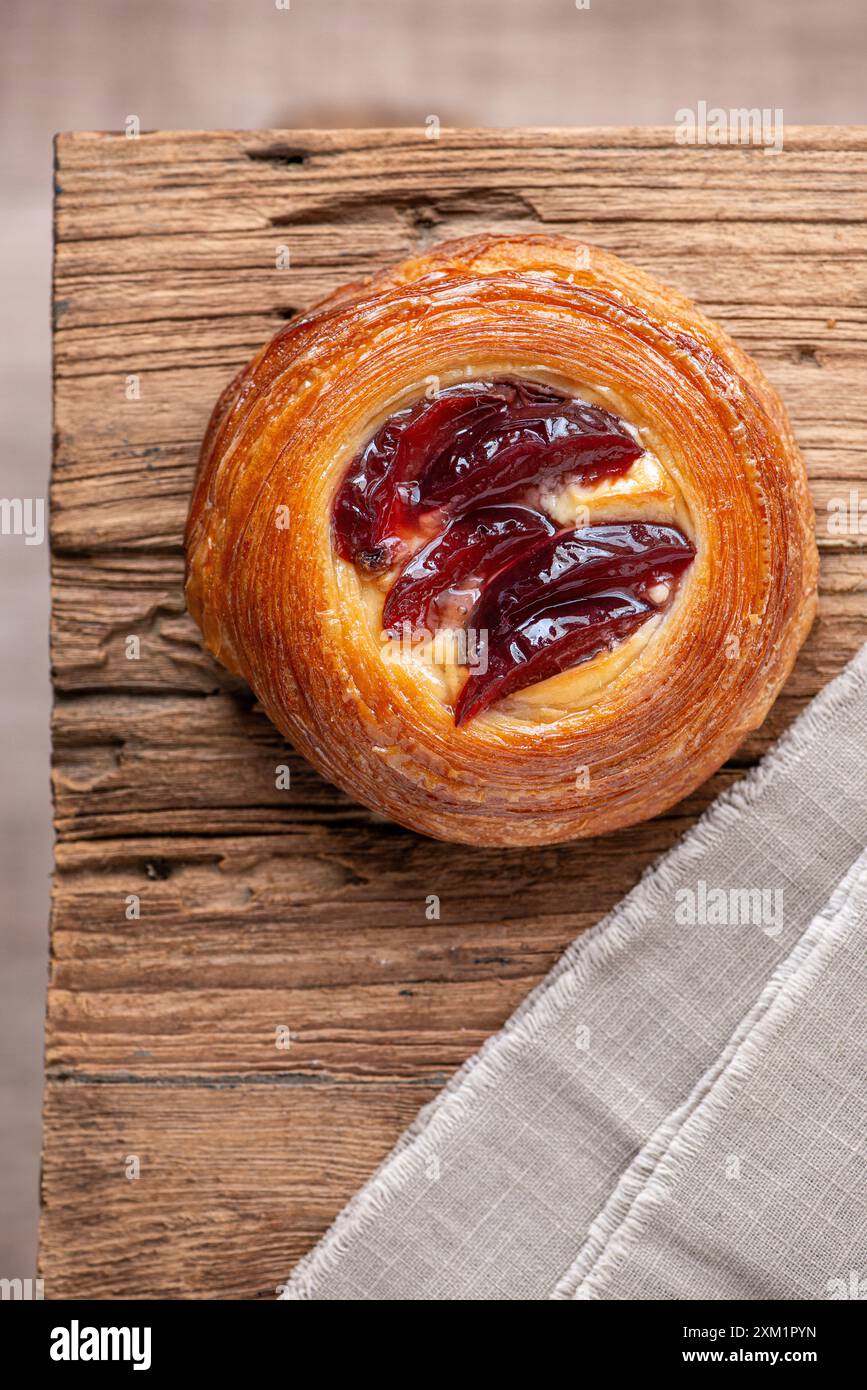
(297, 916)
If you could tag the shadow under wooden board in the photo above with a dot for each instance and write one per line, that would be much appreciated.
(225, 1069)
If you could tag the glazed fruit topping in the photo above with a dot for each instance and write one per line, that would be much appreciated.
(448, 494)
(565, 600)
(472, 444)
(441, 582)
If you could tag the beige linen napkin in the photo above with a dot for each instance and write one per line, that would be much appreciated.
(676, 1111)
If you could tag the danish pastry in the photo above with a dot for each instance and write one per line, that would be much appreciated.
(513, 543)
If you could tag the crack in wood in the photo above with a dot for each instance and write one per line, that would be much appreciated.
(421, 210)
(282, 156)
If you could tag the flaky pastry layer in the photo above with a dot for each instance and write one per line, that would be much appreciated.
(277, 605)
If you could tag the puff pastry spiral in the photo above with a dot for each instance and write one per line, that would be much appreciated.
(521, 440)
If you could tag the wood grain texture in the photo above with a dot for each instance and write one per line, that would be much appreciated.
(296, 916)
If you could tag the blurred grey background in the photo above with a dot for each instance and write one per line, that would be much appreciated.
(87, 64)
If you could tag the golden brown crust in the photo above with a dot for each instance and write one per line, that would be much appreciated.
(275, 605)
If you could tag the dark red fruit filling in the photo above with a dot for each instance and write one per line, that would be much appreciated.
(446, 482)
(441, 581)
(568, 598)
(474, 443)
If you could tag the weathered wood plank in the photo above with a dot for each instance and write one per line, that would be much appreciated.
(236, 1180)
(262, 909)
(343, 1034)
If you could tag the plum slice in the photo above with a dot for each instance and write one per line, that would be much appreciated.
(566, 599)
(472, 548)
(472, 444)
